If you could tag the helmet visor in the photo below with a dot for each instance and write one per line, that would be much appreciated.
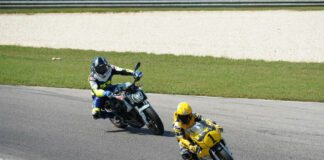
(184, 118)
(101, 69)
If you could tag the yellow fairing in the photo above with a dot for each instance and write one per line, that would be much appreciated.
(184, 142)
(212, 138)
(204, 152)
(204, 143)
(204, 135)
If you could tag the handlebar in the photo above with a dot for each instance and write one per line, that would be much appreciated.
(138, 64)
(107, 87)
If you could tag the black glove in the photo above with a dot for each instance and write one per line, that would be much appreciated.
(137, 74)
(96, 116)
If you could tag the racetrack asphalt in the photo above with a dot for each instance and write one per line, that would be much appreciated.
(41, 123)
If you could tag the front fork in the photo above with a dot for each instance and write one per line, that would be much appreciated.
(139, 110)
(223, 147)
(226, 149)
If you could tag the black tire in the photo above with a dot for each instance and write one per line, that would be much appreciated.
(118, 125)
(156, 125)
(224, 155)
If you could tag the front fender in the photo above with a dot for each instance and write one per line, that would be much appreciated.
(141, 113)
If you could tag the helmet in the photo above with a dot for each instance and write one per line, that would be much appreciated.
(99, 65)
(184, 112)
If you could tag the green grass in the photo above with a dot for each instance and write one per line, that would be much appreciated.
(188, 75)
(116, 10)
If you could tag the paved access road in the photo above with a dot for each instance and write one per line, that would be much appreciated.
(38, 123)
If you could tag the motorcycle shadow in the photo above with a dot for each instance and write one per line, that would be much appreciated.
(141, 131)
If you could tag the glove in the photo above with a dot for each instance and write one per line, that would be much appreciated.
(107, 93)
(96, 116)
(137, 74)
(193, 148)
(210, 122)
(117, 89)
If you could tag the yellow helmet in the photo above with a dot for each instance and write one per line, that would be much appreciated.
(184, 112)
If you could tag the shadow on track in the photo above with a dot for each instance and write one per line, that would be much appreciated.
(141, 131)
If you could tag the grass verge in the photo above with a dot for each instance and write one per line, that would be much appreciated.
(116, 10)
(187, 75)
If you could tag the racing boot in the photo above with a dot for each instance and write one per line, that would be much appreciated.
(97, 113)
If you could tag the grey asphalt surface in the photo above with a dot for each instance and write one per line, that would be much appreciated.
(39, 123)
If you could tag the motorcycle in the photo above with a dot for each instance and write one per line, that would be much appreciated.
(131, 105)
(208, 138)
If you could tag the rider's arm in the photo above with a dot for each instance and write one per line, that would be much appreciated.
(92, 81)
(121, 71)
(95, 88)
(184, 142)
(179, 134)
(199, 117)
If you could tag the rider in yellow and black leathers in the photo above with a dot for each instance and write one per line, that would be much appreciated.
(184, 118)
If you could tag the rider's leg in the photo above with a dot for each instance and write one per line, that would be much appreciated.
(96, 111)
(185, 153)
(115, 88)
(96, 107)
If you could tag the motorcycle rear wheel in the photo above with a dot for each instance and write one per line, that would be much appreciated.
(156, 125)
(118, 124)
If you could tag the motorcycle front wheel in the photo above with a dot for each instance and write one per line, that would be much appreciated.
(156, 125)
(223, 155)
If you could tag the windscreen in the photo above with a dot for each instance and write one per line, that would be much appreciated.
(197, 130)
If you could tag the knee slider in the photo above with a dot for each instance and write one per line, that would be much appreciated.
(186, 156)
(95, 111)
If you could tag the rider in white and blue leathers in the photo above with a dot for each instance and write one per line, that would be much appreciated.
(100, 78)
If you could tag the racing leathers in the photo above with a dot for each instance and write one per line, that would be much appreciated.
(186, 147)
(100, 81)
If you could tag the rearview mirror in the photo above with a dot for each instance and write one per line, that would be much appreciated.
(137, 65)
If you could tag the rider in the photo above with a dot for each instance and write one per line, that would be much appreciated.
(100, 82)
(184, 118)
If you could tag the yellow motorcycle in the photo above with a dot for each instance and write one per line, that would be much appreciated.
(211, 145)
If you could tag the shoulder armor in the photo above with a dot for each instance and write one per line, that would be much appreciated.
(176, 126)
(91, 77)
